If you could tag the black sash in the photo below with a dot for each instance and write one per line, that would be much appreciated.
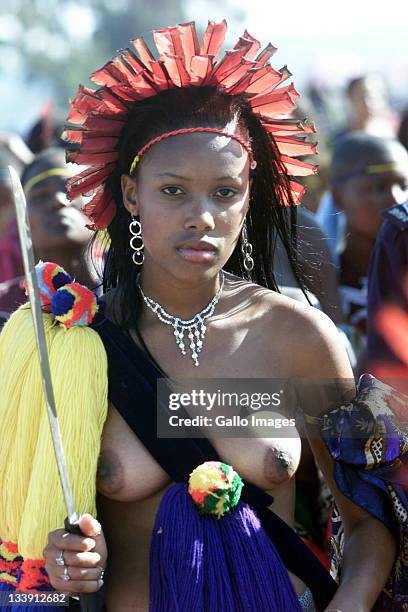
(133, 391)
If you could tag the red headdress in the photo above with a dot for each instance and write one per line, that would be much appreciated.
(97, 117)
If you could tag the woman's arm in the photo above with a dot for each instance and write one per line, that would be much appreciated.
(369, 546)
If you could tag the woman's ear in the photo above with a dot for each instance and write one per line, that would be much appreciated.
(129, 194)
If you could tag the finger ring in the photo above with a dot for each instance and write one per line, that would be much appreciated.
(65, 576)
(60, 559)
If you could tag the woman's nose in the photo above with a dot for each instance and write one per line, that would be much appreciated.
(199, 216)
(60, 199)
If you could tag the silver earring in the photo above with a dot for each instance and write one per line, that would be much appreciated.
(136, 241)
(246, 249)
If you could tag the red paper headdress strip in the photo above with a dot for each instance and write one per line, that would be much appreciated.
(98, 116)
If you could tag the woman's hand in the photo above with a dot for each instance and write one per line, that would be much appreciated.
(75, 563)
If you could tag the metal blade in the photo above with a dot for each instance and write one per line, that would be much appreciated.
(33, 292)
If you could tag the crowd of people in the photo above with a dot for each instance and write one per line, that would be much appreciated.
(193, 181)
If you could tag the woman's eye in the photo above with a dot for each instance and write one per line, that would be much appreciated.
(172, 190)
(225, 192)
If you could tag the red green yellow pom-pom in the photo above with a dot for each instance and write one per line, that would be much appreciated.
(50, 277)
(215, 487)
(74, 304)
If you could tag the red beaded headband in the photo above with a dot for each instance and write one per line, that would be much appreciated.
(98, 117)
(154, 141)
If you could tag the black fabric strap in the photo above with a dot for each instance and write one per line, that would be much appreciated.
(133, 391)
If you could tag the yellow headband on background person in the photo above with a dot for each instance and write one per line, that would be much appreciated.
(37, 178)
(389, 167)
(372, 169)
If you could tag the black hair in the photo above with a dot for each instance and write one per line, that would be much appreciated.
(403, 129)
(267, 217)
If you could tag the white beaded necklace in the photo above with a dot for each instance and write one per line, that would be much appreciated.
(194, 328)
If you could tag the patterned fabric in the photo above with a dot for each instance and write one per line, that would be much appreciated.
(18, 574)
(10, 563)
(368, 439)
(306, 601)
(23, 574)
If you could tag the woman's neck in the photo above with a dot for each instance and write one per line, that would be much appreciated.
(179, 298)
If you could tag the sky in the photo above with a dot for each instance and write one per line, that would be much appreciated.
(329, 41)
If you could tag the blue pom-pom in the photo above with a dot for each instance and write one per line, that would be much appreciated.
(61, 279)
(62, 302)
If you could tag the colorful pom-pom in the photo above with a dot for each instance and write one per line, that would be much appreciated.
(215, 487)
(74, 304)
(50, 277)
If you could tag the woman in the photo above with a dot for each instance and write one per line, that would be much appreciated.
(57, 225)
(199, 182)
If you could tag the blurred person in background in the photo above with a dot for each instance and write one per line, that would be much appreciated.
(11, 268)
(403, 129)
(369, 111)
(46, 130)
(13, 152)
(369, 107)
(40, 135)
(316, 264)
(368, 175)
(387, 307)
(57, 225)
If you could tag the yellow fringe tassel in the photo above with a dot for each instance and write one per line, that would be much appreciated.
(31, 500)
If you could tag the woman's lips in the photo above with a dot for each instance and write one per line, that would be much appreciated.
(196, 255)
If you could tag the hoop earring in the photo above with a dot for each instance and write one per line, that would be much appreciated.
(246, 249)
(136, 241)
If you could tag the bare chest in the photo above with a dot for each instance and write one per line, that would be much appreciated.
(235, 348)
(232, 348)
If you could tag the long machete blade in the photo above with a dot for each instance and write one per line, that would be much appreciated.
(34, 297)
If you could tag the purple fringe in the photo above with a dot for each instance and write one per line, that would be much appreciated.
(4, 587)
(201, 563)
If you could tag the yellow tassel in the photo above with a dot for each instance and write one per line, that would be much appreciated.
(31, 500)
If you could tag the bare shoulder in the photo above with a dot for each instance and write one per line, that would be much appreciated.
(317, 345)
(306, 336)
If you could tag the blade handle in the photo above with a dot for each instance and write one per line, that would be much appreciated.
(89, 602)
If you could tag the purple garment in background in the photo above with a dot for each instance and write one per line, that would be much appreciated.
(11, 273)
(368, 440)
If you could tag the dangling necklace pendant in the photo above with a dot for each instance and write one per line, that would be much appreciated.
(193, 328)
